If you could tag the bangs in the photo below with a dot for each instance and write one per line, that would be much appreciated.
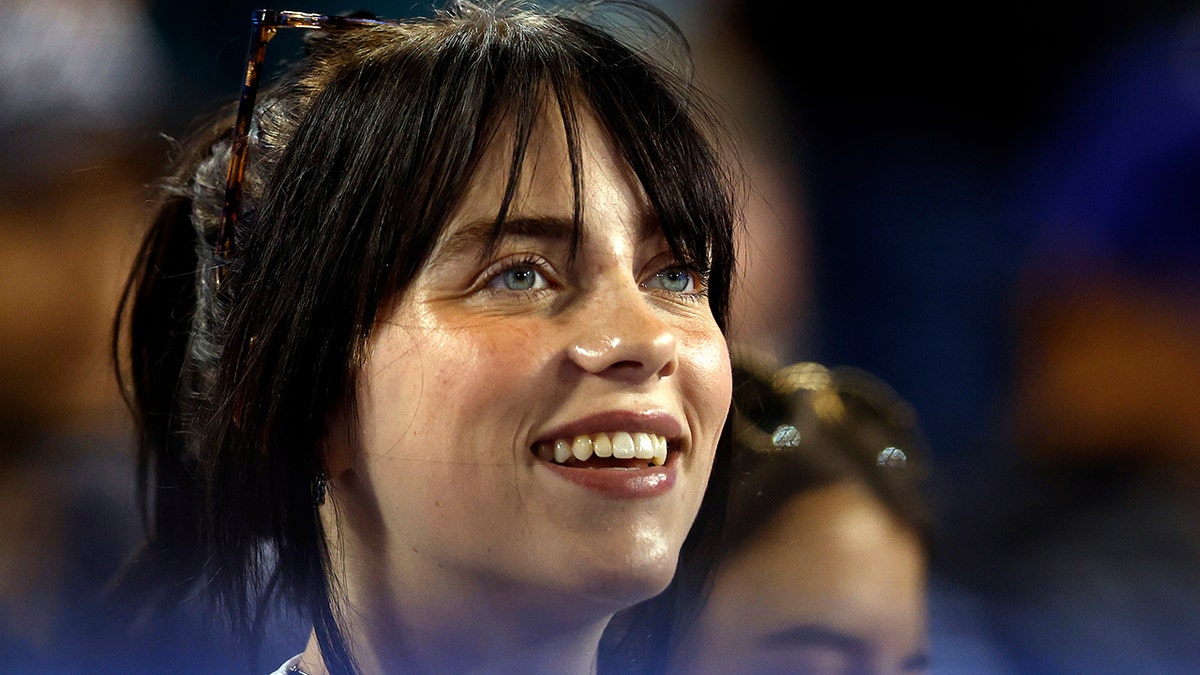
(664, 130)
(655, 121)
(403, 123)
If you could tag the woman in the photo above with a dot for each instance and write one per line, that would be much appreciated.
(828, 534)
(450, 374)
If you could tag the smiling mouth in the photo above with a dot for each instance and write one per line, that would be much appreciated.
(606, 450)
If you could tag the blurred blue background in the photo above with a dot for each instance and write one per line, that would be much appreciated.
(927, 178)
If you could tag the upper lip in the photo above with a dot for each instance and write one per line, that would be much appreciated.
(653, 421)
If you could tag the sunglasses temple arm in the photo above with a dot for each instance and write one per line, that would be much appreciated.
(225, 248)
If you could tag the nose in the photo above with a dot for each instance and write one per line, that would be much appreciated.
(625, 339)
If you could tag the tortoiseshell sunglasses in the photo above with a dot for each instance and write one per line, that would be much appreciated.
(265, 23)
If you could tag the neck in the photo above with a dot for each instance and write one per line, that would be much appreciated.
(476, 644)
(405, 613)
(459, 623)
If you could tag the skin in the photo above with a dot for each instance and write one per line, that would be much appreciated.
(833, 584)
(460, 549)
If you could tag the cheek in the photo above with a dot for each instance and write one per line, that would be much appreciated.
(514, 348)
(486, 375)
(440, 410)
(435, 391)
(704, 356)
(444, 366)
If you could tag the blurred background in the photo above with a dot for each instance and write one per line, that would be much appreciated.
(991, 206)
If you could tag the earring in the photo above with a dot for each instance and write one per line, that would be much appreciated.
(319, 487)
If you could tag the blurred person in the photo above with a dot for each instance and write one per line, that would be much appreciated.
(823, 568)
(78, 94)
(1087, 550)
(78, 90)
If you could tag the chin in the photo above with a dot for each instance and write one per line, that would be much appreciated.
(604, 568)
(627, 582)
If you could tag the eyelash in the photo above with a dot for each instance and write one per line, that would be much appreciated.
(531, 261)
(699, 281)
(542, 267)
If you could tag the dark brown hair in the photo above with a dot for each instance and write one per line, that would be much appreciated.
(357, 158)
(804, 426)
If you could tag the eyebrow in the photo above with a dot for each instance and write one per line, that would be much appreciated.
(482, 234)
(813, 635)
(818, 636)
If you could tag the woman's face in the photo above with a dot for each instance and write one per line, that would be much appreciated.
(833, 584)
(493, 362)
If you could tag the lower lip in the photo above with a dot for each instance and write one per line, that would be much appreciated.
(619, 483)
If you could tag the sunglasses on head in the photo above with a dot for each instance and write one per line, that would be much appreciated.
(265, 23)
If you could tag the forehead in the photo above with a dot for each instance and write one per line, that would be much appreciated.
(546, 180)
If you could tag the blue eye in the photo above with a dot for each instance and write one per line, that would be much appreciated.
(519, 278)
(674, 280)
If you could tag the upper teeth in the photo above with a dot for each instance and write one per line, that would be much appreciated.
(620, 444)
